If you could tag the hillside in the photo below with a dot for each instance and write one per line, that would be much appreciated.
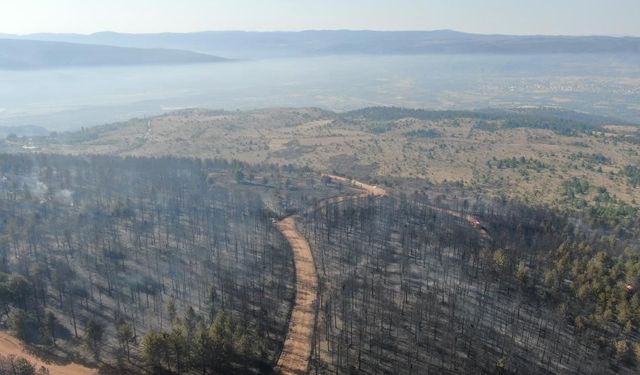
(184, 265)
(277, 44)
(29, 54)
(168, 249)
(546, 156)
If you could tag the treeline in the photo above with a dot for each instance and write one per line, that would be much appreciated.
(397, 113)
(521, 162)
(380, 128)
(591, 158)
(563, 123)
(557, 125)
(423, 133)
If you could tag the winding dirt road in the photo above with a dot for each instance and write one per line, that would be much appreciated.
(378, 191)
(296, 352)
(369, 189)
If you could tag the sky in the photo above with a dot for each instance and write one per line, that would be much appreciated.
(566, 17)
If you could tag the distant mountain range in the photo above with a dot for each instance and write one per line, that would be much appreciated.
(238, 44)
(35, 54)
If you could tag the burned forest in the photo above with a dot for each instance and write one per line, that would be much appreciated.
(177, 265)
(319, 188)
(412, 286)
(130, 262)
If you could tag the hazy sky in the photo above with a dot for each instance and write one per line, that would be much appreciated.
(612, 17)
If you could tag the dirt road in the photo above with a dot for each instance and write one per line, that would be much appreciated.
(298, 344)
(378, 191)
(296, 352)
(370, 189)
(9, 345)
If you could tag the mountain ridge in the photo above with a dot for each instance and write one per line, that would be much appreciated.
(19, 54)
(254, 44)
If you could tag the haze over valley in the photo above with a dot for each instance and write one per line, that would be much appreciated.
(70, 98)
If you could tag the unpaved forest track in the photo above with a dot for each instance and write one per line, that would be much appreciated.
(370, 189)
(378, 191)
(296, 352)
